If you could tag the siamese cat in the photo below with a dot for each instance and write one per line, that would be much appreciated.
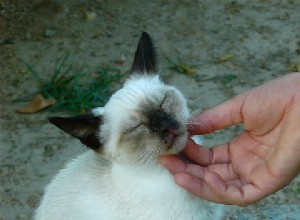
(119, 177)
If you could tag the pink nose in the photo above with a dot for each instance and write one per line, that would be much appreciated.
(170, 137)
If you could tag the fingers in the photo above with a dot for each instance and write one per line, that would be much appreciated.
(219, 117)
(196, 186)
(172, 163)
(204, 189)
(214, 188)
(217, 183)
(240, 193)
(227, 194)
(225, 171)
(175, 165)
(206, 156)
(197, 153)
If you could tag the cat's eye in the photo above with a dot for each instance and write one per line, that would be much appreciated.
(133, 128)
(163, 102)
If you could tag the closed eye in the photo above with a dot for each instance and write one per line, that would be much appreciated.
(133, 128)
(163, 102)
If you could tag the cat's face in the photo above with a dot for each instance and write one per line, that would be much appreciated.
(144, 119)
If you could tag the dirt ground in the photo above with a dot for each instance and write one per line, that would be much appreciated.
(233, 46)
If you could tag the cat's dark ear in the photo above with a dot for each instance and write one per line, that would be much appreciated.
(84, 127)
(145, 56)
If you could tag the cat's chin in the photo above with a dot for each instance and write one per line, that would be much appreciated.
(177, 146)
(174, 151)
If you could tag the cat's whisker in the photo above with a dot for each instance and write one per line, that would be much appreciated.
(193, 123)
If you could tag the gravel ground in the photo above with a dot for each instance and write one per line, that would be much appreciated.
(232, 45)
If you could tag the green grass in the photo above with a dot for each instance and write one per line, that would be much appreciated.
(298, 188)
(76, 92)
(229, 78)
(181, 67)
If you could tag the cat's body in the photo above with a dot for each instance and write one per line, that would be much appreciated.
(96, 189)
(121, 177)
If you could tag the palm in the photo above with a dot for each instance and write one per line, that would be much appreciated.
(252, 172)
(255, 158)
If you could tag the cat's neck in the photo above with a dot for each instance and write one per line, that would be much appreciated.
(153, 183)
(132, 174)
(152, 167)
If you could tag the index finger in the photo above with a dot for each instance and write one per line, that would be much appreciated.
(206, 156)
(219, 117)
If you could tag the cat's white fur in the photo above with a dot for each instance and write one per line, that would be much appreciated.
(114, 185)
(123, 109)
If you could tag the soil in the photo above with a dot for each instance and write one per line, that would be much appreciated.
(232, 46)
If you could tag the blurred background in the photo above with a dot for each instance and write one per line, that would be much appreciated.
(66, 57)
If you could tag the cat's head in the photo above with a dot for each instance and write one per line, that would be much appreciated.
(141, 121)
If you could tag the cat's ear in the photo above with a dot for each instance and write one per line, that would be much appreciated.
(84, 127)
(145, 56)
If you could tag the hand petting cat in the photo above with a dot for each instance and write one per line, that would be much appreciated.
(119, 176)
(264, 158)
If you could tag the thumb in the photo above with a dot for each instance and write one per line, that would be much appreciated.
(219, 117)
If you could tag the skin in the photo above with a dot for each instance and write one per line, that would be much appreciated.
(264, 158)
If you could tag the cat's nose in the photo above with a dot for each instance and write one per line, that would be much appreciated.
(164, 125)
(170, 136)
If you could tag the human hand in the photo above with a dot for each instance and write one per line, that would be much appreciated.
(258, 162)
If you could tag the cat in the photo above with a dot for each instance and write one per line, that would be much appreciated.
(119, 177)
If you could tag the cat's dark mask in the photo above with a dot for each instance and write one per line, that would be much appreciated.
(86, 127)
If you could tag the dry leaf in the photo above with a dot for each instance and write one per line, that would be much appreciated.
(294, 67)
(37, 103)
(187, 69)
(226, 58)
